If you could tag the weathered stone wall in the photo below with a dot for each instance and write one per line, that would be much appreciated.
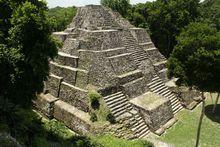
(53, 85)
(135, 88)
(45, 104)
(140, 35)
(123, 63)
(74, 96)
(157, 117)
(85, 18)
(103, 39)
(101, 72)
(72, 117)
(75, 119)
(67, 73)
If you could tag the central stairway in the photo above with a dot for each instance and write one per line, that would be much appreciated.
(120, 106)
(157, 86)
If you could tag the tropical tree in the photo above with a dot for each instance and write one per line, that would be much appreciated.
(121, 6)
(26, 46)
(167, 18)
(61, 17)
(195, 61)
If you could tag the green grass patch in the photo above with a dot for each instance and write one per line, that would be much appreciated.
(183, 134)
(111, 141)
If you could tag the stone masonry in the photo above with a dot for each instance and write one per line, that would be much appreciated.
(102, 49)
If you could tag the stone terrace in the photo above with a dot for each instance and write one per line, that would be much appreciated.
(104, 50)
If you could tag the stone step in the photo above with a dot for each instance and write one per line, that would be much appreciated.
(166, 94)
(159, 90)
(157, 85)
(141, 128)
(119, 56)
(144, 133)
(177, 109)
(114, 94)
(67, 60)
(114, 97)
(115, 51)
(117, 101)
(68, 73)
(173, 101)
(155, 81)
(151, 49)
(176, 104)
(136, 128)
(130, 76)
(141, 58)
(119, 111)
(160, 65)
(163, 90)
(115, 108)
(147, 45)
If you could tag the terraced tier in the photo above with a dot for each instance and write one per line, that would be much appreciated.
(157, 86)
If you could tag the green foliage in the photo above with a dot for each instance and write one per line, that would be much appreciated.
(210, 9)
(165, 20)
(25, 50)
(196, 58)
(110, 118)
(93, 117)
(121, 6)
(94, 99)
(61, 17)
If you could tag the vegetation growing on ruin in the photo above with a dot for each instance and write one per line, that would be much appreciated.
(98, 107)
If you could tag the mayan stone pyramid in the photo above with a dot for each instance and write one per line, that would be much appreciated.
(103, 50)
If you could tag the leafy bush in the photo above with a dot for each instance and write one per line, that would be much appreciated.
(93, 117)
(94, 99)
(110, 118)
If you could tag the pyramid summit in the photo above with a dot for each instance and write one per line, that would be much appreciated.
(104, 51)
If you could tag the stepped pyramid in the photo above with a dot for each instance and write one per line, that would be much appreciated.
(103, 50)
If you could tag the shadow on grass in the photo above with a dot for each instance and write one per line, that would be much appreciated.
(213, 116)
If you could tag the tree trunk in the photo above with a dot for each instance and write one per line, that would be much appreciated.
(200, 120)
(216, 102)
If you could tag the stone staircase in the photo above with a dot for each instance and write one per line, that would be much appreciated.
(120, 107)
(157, 86)
(138, 125)
(118, 104)
(137, 52)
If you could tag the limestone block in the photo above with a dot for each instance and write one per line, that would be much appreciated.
(67, 60)
(74, 96)
(101, 73)
(122, 63)
(140, 34)
(74, 118)
(53, 85)
(45, 104)
(156, 110)
(68, 73)
(135, 88)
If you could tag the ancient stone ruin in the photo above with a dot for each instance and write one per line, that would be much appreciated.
(104, 51)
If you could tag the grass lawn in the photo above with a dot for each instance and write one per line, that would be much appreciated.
(183, 133)
(110, 141)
